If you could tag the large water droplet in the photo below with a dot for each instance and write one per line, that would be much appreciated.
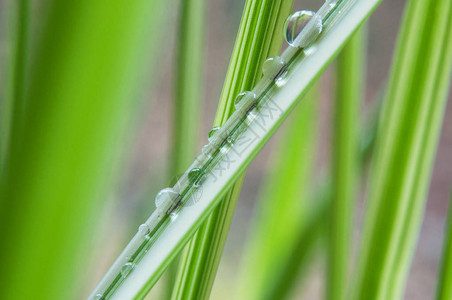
(296, 23)
(275, 69)
(144, 229)
(195, 176)
(243, 98)
(212, 133)
(126, 269)
(167, 195)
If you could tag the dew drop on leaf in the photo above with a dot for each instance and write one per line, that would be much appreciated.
(296, 23)
(126, 269)
(167, 195)
(275, 68)
(144, 229)
(243, 98)
(195, 176)
(212, 133)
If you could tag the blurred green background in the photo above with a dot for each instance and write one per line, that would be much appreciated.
(144, 152)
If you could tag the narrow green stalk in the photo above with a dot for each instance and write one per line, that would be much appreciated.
(444, 291)
(188, 94)
(283, 207)
(13, 103)
(259, 37)
(345, 163)
(406, 145)
(188, 85)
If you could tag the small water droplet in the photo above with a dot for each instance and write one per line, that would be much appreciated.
(206, 150)
(243, 98)
(231, 139)
(195, 176)
(144, 229)
(275, 68)
(296, 23)
(98, 296)
(126, 269)
(212, 133)
(331, 3)
(272, 66)
(167, 195)
(173, 216)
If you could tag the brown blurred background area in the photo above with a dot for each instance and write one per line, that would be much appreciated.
(145, 167)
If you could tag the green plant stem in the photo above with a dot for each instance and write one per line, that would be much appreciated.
(345, 163)
(13, 104)
(259, 37)
(188, 94)
(444, 291)
(406, 144)
(189, 78)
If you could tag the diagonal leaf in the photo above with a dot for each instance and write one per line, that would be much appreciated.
(169, 235)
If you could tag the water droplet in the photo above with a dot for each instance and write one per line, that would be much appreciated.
(173, 216)
(212, 133)
(167, 195)
(206, 150)
(331, 3)
(98, 296)
(243, 98)
(296, 23)
(195, 176)
(144, 229)
(126, 269)
(275, 68)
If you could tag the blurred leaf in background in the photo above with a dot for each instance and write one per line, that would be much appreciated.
(406, 146)
(86, 72)
(345, 163)
(283, 208)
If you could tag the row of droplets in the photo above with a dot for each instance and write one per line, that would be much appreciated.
(169, 200)
(274, 68)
